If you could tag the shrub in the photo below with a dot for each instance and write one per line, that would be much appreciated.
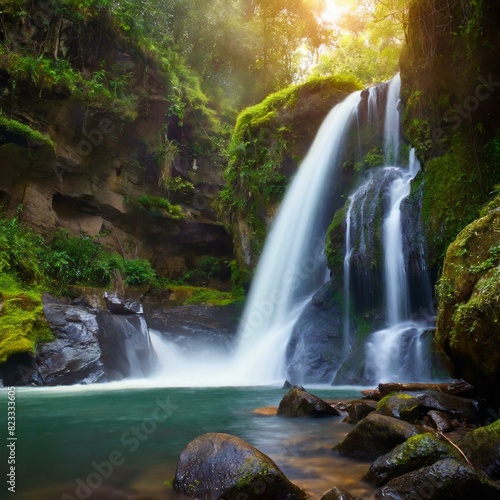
(138, 271)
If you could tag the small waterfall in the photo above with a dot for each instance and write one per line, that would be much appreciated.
(347, 281)
(397, 351)
(392, 127)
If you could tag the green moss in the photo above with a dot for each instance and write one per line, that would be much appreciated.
(186, 294)
(452, 195)
(335, 244)
(470, 316)
(24, 131)
(266, 144)
(156, 206)
(399, 395)
(420, 447)
(22, 322)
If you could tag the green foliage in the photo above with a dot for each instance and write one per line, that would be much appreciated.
(105, 89)
(69, 260)
(20, 129)
(78, 260)
(368, 42)
(137, 271)
(178, 190)
(21, 251)
(156, 206)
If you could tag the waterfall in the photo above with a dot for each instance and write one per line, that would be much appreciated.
(292, 265)
(392, 127)
(397, 351)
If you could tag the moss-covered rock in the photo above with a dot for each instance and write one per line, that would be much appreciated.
(469, 303)
(447, 478)
(401, 406)
(450, 108)
(269, 141)
(482, 447)
(22, 323)
(418, 451)
(375, 435)
(215, 465)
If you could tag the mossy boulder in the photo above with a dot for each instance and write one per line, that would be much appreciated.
(447, 478)
(401, 406)
(216, 465)
(482, 447)
(418, 451)
(297, 402)
(376, 435)
(469, 303)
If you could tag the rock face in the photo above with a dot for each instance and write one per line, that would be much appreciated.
(300, 403)
(90, 346)
(104, 158)
(443, 480)
(375, 435)
(469, 308)
(215, 465)
(314, 352)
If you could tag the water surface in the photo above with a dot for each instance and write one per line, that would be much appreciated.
(67, 437)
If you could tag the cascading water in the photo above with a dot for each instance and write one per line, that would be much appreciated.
(292, 266)
(397, 351)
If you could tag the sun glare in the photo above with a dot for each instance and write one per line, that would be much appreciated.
(332, 11)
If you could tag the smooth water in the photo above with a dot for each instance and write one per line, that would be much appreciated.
(67, 434)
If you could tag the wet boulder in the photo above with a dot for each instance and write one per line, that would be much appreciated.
(315, 347)
(297, 402)
(75, 354)
(418, 451)
(216, 465)
(337, 494)
(401, 406)
(126, 348)
(119, 304)
(463, 409)
(482, 447)
(376, 435)
(447, 478)
(440, 421)
(358, 410)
